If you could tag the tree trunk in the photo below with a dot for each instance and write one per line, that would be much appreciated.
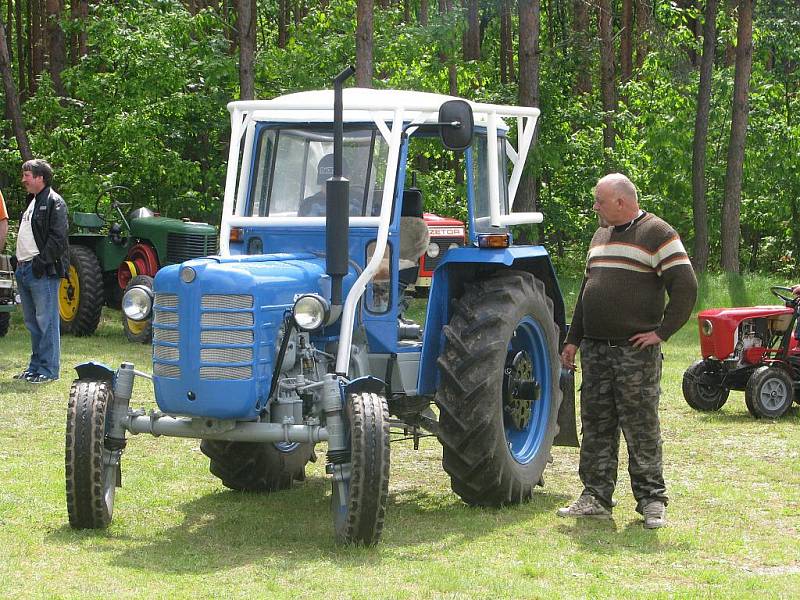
(644, 9)
(700, 209)
(283, 20)
(626, 42)
(20, 47)
(423, 13)
(607, 84)
(12, 100)
(246, 24)
(364, 69)
(733, 175)
(78, 43)
(56, 46)
(583, 77)
(472, 38)
(529, 28)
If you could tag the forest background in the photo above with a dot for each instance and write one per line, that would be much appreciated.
(697, 102)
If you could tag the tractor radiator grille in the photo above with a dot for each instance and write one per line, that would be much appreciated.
(165, 341)
(185, 246)
(226, 336)
(162, 370)
(226, 372)
(444, 244)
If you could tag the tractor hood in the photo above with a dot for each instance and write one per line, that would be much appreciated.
(216, 323)
(718, 326)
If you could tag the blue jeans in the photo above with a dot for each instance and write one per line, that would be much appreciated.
(40, 311)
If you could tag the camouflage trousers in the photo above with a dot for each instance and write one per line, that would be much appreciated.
(620, 392)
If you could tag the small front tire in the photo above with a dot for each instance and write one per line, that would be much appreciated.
(92, 460)
(769, 392)
(702, 396)
(358, 499)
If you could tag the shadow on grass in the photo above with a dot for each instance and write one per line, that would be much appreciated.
(228, 530)
(606, 537)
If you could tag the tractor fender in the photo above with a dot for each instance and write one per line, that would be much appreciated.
(95, 371)
(459, 267)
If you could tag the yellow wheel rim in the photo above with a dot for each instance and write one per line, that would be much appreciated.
(136, 327)
(69, 293)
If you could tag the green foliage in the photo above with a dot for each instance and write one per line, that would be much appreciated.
(146, 109)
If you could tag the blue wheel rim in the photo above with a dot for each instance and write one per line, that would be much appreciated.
(524, 443)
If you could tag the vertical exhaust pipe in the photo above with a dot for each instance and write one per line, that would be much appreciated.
(337, 200)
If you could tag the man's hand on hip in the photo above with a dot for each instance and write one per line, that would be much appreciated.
(643, 340)
(568, 357)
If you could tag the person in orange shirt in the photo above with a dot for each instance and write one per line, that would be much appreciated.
(3, 222)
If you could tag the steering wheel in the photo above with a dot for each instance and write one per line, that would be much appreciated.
(106, 212)
(779, 291)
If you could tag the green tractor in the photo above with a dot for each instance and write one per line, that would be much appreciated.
(107, 257)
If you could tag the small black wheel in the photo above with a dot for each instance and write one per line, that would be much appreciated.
(698, 392)
(140, 332)
(358, 499)
(257, 467)
(92, 460)
(770, 392)
(80, 293)
(499, 395)
(5, 320)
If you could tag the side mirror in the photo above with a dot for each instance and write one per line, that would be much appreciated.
(456, 124)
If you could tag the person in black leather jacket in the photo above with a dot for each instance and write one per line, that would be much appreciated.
(41, 260)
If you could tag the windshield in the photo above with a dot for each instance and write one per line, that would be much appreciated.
(292, 164)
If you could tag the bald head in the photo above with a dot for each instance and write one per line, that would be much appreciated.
(615, 200)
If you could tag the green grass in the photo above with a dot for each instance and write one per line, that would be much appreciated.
(734, 516)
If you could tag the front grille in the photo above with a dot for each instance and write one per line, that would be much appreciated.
(170, 336)
(165, 314)
(165, 317)
(185, 246)
(226, 372)
(162, 370)
(226, 336)
(227, 319)
(170, 353)
(228, 301)
(444, 242)
(226, 355)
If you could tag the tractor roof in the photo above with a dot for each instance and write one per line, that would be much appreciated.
(364, 104)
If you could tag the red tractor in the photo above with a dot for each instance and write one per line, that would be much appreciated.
(446, 234)
(751, 349)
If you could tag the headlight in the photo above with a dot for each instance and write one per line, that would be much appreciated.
(706, 327)
(137, 303)
(310, 312)
(433, 250)
(188, 274)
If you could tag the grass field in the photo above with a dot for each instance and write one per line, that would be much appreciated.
(734, 516)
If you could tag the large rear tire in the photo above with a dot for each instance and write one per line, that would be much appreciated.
(80, 294)
(496, 430)
(358, 503)
(92, 461)
(769, 392)
(257, 467)
(139, 332)
(702, 396)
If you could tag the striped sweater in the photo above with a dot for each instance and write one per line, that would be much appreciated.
(628, 269)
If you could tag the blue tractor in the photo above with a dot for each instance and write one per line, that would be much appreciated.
(293, 336)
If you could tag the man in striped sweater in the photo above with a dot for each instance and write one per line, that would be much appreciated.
(620, 320)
